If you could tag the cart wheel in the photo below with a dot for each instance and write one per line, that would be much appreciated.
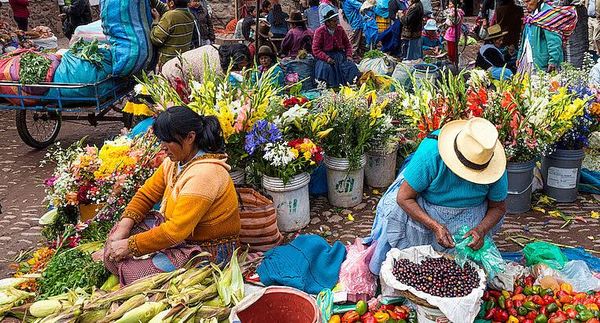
(38, 129)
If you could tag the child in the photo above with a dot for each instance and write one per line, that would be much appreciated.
(431, 39)
(454, 23)
(267, 59)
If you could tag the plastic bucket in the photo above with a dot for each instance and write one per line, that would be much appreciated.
(380, 170)
(425, 72)
(238, 176)
(344, 188)
(520, 179)
(291, 201)
(89, 211)
(561, 171)
(430, 315)
(276, 304)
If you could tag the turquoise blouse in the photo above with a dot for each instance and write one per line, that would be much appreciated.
(427, 174)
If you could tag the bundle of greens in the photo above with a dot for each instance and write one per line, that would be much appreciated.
(88, 51)
(34, 68)
(71, 269)
(374, 53)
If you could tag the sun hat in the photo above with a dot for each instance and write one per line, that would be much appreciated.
(296, 16)
(495, 31)
(330, 15)
(265, 51)
(470, 148)
(431, 25)
(264, 30)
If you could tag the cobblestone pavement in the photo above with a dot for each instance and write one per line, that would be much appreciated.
(22, 194)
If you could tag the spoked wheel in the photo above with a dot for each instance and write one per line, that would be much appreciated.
(38, 129)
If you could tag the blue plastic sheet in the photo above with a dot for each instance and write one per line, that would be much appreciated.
(589, 181)
(571, 254)
(141, 127)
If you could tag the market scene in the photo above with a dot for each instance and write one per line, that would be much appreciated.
(300, 161)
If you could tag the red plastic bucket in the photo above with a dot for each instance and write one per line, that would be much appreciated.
(278, 304)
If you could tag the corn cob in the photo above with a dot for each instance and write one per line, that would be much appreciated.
(12, 282)
(204, 312)
(187, 315)
(129, 304)
(162, 317)
(143, 313)
(45, 307)
(110, 283)
(93, 316)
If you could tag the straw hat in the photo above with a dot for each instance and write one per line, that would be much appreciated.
(470, 148)
(265, 51)
(431, 25)
(494, 31)
(296, 16)
(330, 15)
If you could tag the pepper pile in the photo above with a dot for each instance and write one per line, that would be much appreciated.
(531, 303)
(384, 314)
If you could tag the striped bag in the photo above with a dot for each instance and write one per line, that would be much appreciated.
(259, 221)
(126, 24)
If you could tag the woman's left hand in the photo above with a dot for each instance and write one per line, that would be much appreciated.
(477, 236)
(119, 250)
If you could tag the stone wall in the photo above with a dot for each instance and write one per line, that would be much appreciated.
(224, 10)
(43, 12)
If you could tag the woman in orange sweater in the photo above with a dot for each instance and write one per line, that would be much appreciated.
(199, 209)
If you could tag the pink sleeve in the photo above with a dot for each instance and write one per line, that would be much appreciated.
(317, 45)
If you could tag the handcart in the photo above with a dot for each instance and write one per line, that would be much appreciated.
(39, 117)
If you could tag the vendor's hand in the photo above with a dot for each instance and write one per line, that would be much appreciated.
(443, 236)
(155, 14)
(119, 250)
(477, 236)
(330, 61)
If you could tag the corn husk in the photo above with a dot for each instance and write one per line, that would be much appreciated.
(110, 283)
(162, 317)
(12, 282)
(128, 305)
(93, 316)
(206, 312)
(186, 315)
(45, 307)
(143, 313)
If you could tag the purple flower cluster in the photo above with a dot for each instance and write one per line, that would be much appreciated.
(261, 133)
(578, 136)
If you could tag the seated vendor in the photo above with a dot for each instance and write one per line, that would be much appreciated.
(199, 209)
(298, 38)
(490, 56)
(267, 60)
(431, 40)
(457, 177)
(333, 51)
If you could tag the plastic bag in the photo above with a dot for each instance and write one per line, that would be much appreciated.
(578, 274)
(488, 256)
(456, 309)
(543, 252)
(380, 65)
(355, 275)
(506, 280)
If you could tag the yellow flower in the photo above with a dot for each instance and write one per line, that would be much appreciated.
(306, 155)
(294, 152)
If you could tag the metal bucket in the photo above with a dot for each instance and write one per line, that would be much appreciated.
(291, 201)
(238, 176)
(520, 179)
(561, 171)
(344, 188)
(380, 170)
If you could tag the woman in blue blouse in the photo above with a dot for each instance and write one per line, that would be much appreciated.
(456, 177)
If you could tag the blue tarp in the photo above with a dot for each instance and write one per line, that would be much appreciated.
(571, 254)
(589, 181)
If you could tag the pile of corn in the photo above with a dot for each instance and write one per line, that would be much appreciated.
(189, 294)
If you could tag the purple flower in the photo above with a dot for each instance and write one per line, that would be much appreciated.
(292, 78)
(50, 181)
(261, 133)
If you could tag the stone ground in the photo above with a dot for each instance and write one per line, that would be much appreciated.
(22, 194)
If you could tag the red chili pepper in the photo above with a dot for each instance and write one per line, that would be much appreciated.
(490, 313)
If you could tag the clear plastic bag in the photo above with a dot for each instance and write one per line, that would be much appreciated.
(578, 274)
(488, 256)
(355, 275)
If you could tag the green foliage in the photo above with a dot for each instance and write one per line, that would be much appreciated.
(33, 68)
(66, 215)
(69, 270)
(88, 51)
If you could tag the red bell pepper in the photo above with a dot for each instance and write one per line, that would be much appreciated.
(368, 317)
(350, 317)
(537, 299)
(490, 313)
(532, 315)
(571, 313)
(500, 315)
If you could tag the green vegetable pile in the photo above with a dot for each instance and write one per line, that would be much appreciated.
(88, 51)
(34, 68)
(69, 270)
(374, 53)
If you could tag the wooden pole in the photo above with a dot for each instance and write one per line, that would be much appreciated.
(456, 32)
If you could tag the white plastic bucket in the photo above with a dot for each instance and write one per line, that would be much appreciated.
(345, 188)
(430, 315)
(380, 170)
(238, 176)
(291, 201)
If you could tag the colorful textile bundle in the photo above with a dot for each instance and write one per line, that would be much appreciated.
(560, 19)
(127, 26)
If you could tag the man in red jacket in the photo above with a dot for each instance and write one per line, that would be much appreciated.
(20, 12)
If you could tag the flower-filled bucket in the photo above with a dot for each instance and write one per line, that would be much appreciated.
(345, 186)
(380, 170)
(291, 201)
(561, 171)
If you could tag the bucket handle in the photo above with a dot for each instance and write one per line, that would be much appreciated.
(523, 191)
